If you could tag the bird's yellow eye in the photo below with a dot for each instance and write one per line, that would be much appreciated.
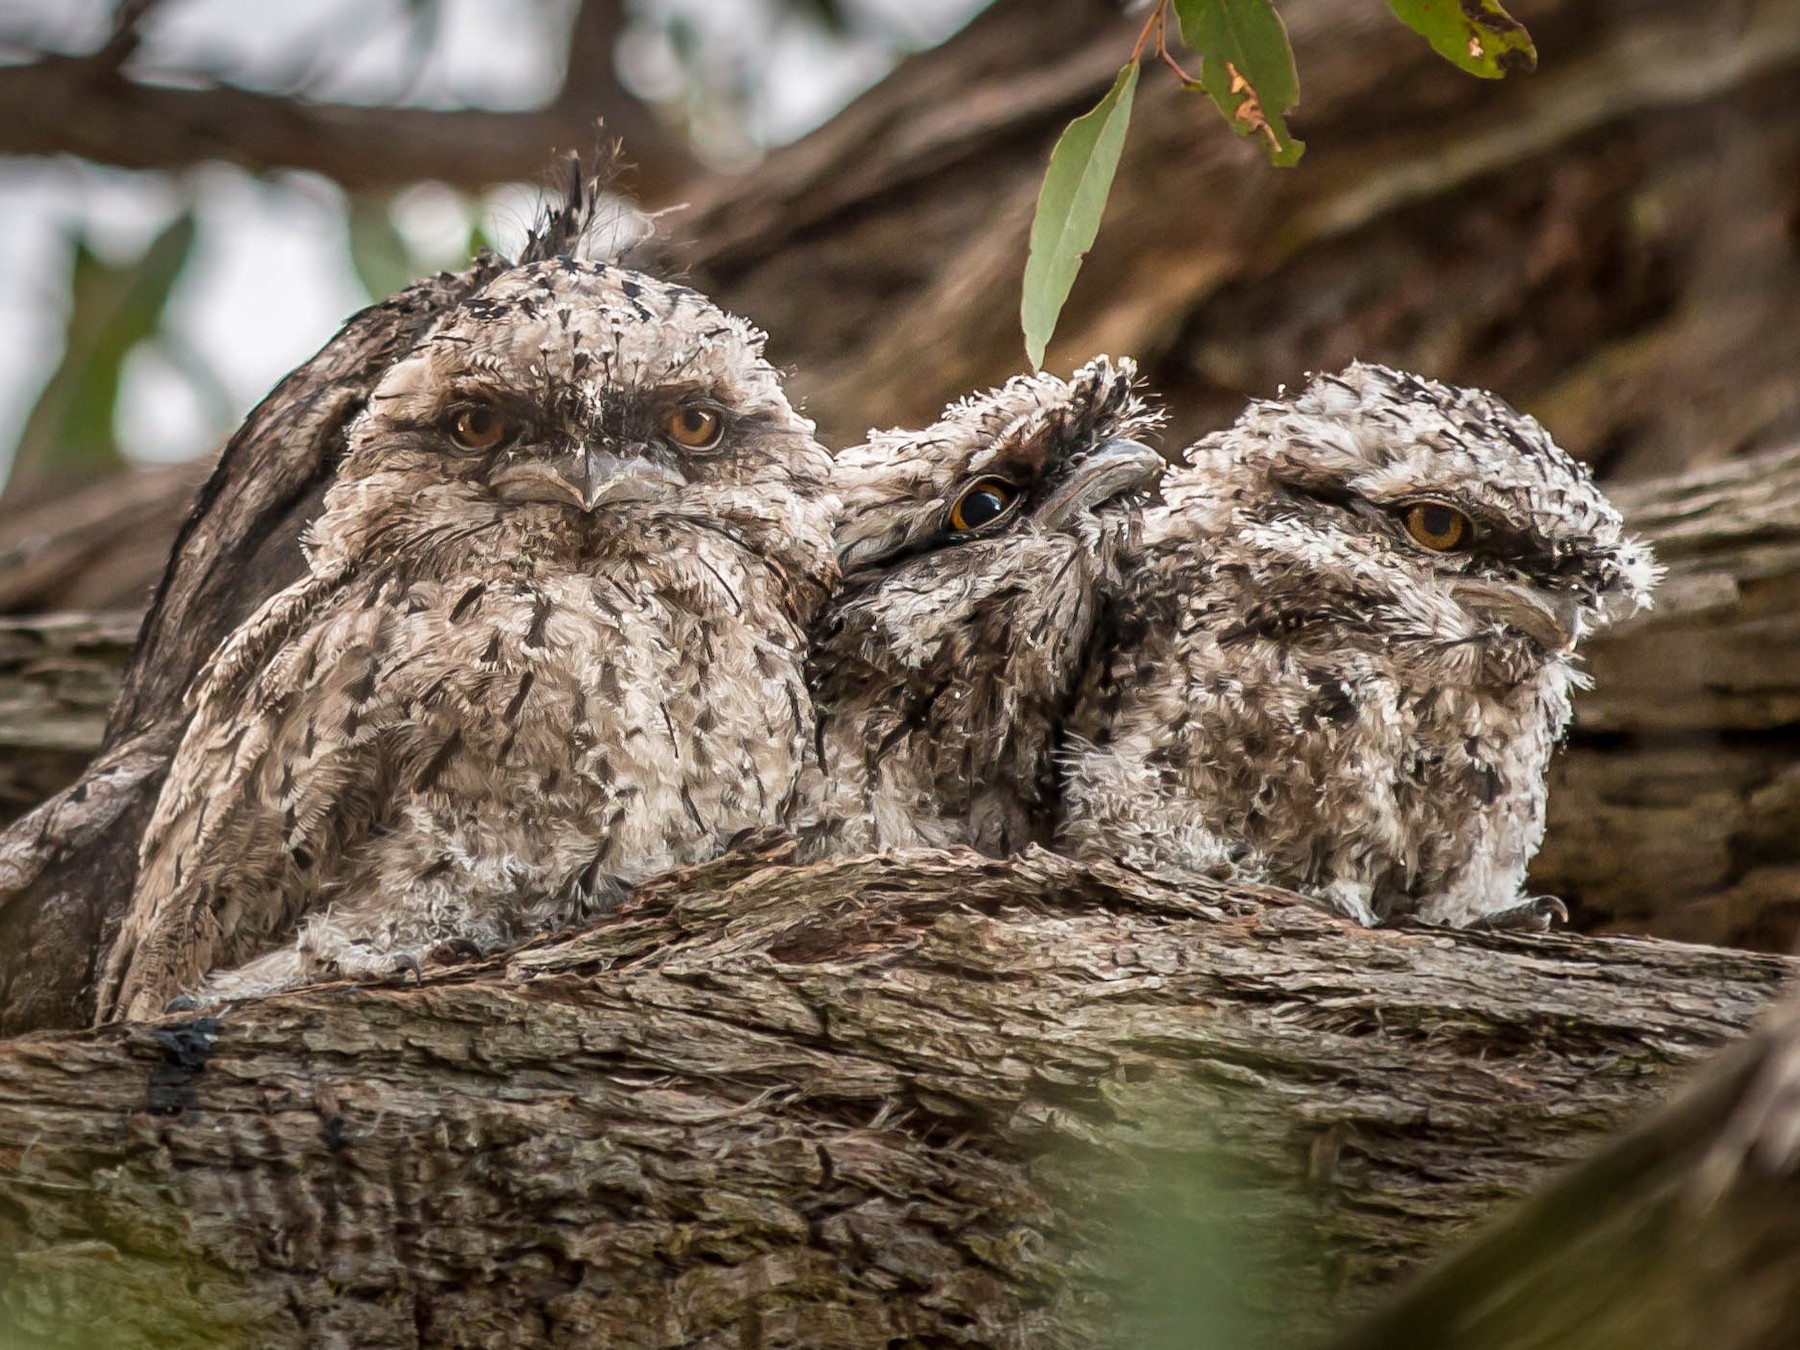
(480, 426)
(695, 426)
(1437, 527)
(982, 503)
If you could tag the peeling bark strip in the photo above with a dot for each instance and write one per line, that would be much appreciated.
(907, 1100)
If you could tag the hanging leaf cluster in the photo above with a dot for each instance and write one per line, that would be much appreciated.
(1247, 70)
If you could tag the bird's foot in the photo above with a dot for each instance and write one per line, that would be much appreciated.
(1534, 914)
(1350, 899)
(364, 961)
(450, 952)
(456, 951)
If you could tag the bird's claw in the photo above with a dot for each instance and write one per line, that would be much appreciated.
(1534, 914)
(452, 950)
(407, 964)
(182, 1003)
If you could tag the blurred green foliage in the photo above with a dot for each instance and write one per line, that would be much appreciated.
(112, 308)
(1194, 1254)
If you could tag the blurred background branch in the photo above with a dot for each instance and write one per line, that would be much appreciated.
(95, 107)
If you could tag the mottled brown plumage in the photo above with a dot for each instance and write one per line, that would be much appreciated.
(1347, 649)
(552, 640)
(976, 553)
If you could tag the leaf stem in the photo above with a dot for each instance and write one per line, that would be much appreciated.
(1156, 23)
(1162, 51)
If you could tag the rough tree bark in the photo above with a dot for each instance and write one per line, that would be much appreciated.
(931, 1100)
(100, 547)
(59, 678)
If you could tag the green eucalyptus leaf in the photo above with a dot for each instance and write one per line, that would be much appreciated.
(1247, 68)
(1069, 208)
(1478, 35)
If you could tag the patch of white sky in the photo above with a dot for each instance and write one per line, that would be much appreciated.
(270, 278)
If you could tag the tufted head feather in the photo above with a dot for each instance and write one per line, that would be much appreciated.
(1054, 450)
(582, 217)
(578, 400)
(1321, 492)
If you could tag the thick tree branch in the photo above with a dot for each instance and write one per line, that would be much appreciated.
(831, 1106)
(100, 547)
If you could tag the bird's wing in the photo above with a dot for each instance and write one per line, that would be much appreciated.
(283, 760)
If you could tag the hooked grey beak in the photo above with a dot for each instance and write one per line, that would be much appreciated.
(589, 479)
(1110, 469)
(1551, 619)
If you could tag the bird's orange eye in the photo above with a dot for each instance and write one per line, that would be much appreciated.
(982, 503)
(695, 426)
(480, 426)
(1437, 527)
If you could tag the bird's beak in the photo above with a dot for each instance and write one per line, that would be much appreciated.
(589, 478)
(1553, 620)
(1109, 470)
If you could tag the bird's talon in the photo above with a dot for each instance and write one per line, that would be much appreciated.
(408, 964)
(452, 951)
(1537, 914)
